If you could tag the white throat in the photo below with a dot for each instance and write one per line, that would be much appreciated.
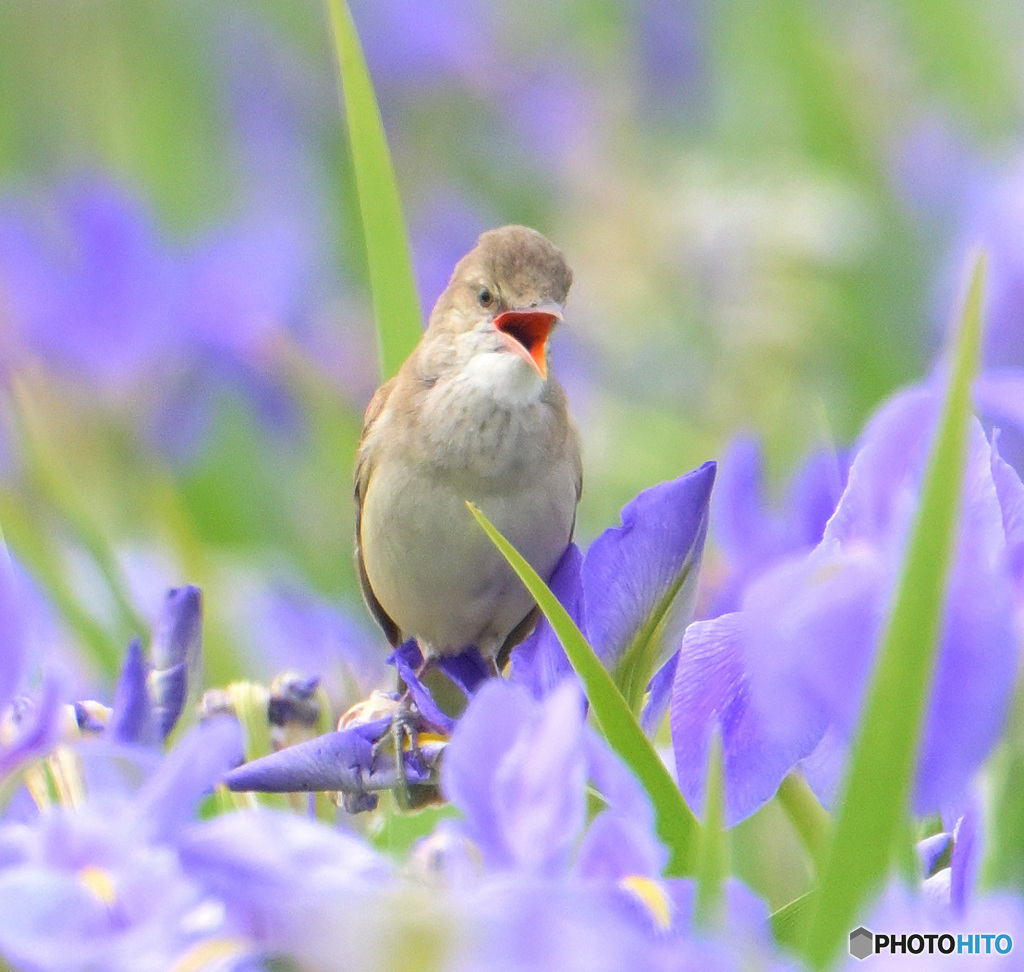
(483, 420)
(502, 376)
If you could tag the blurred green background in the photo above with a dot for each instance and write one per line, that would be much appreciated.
(766, 204)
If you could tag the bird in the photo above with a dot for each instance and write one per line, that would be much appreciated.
(474, 414)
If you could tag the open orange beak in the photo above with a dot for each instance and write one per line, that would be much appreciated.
(526, 332)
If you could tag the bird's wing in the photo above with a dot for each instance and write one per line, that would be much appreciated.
(578, 460)
(363, 471)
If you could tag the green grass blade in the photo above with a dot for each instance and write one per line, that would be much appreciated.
(877, 791)
(676, 825)
(396, 307)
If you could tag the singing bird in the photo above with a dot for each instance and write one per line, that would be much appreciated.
(473, 414)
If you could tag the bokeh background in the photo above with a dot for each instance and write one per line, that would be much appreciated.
(769, 206)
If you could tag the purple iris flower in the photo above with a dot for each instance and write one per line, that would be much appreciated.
(518, 770)
(131, 718)
(359, 758)
(992, 220)
(151, 694)
(288, 628)
(540, 879)
(636, 578)
(345, 760)
(752, 536)
(176, 655)
(296, 888)
(786, 674)
(30, 730)
(95, 290)
(101, 886)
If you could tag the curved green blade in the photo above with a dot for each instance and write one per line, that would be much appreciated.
(676, 825)
(876, 798)
(396, 308)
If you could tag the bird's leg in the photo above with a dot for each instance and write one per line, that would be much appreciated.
(404, 727)
(399, 727)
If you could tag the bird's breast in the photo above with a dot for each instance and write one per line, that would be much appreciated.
(431, 566)
(484, 431)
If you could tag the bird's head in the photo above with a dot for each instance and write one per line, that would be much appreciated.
(504, 298)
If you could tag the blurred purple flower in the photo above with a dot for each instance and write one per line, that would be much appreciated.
(552, 111)
(244, 283)
(151, 694)
(27, 731)
(518, 769)
(751, 535)
(91, 286)
(289, 628)
(95, 290)
(132, 719)
(418, 43)
(932, 168)
(671, 55)
(12, 631)
(539, 882)
(530, 106)
(176, 655)
(993, 221)
(276, 100)
(295, 888)
(101, 887)
(790, 669)
(441, 232)
(634, 576)
(31, 729)
(999, 398)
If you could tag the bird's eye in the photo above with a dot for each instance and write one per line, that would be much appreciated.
(485, 297)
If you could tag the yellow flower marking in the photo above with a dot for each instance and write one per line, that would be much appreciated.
(652, 895)
(98, 882)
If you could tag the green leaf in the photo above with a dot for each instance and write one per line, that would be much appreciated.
(675, 824)
(809, 819)
(645, 652)
(876, 799)
(39, 551)
(396, 307)
(52, 480)
(1004, 856)
(713, 849)
(789, 922)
